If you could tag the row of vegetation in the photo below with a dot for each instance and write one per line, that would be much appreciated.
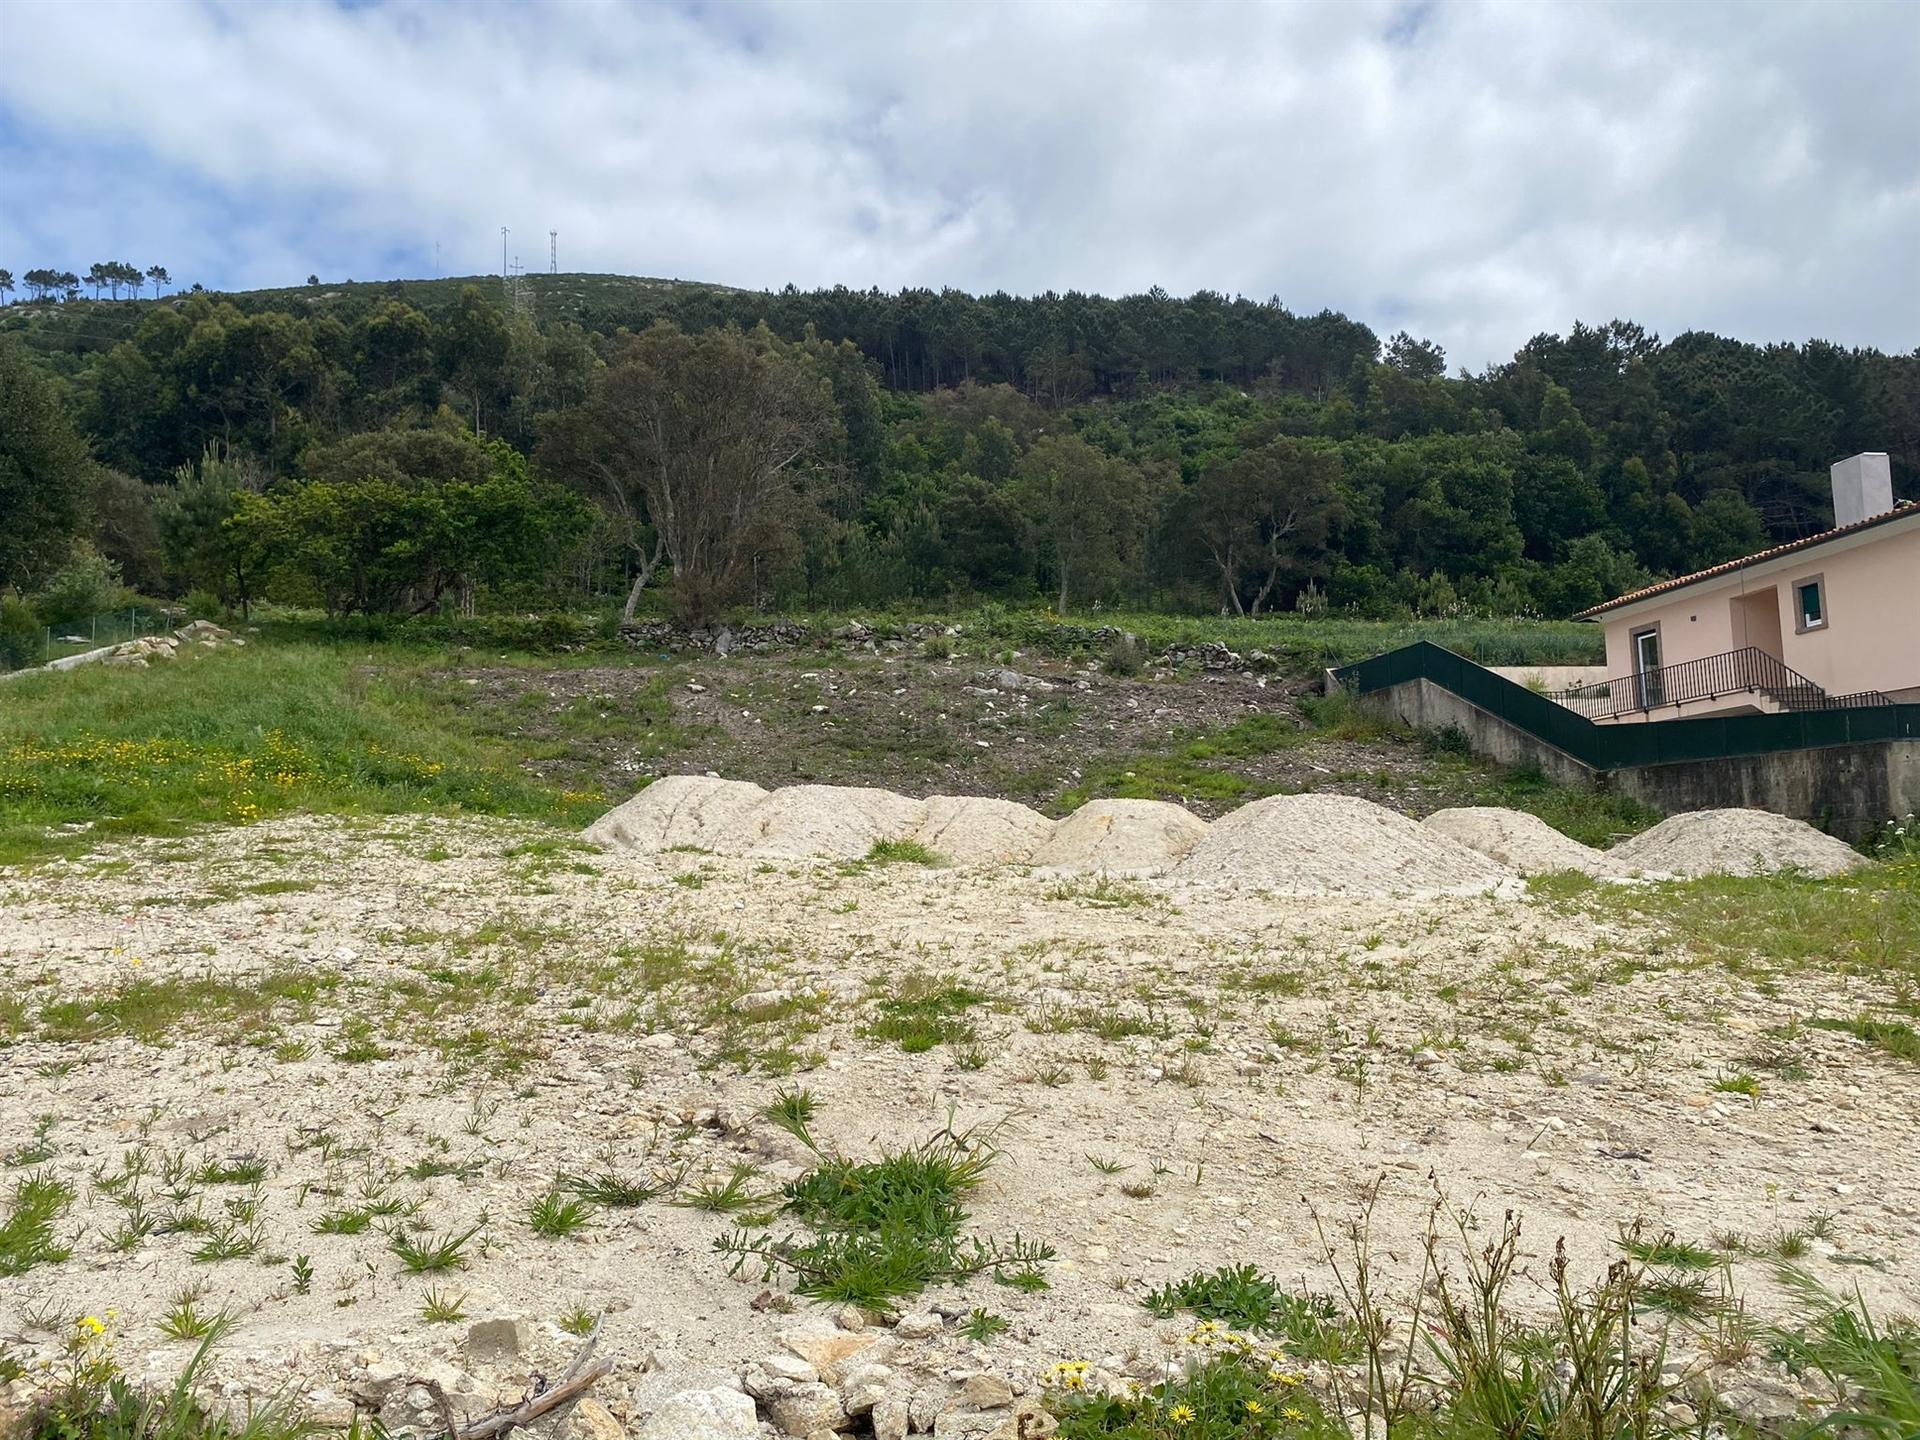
(365, 450)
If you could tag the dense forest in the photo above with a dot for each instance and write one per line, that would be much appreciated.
(573, 440)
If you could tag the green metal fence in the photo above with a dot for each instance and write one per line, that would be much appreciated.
(1630, 745)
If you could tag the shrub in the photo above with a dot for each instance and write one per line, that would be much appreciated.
(21, 635)
(88, 584)
(1126, 655)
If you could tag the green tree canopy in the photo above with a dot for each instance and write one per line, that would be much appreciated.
(44, 473)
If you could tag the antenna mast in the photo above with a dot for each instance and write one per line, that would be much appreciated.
(553, 252)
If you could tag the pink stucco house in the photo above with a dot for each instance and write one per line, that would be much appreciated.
(1831, 620)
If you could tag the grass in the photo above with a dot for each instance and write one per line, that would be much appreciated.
(85, 1397)
(1294, 642)
(880, 1230)
(239, 735)
(27, 1236)
(556, 1217)
(609, 1188)
(1894, 1037)
(153, 1011)
(925, 1014)
(1209, 764)
(724, 1197)
(185, 1320)
(793, 1111)
(1241, 1297)
(1865, 923)
(1874, 1369)
(375, 719)
(442, 1307)
(1674, 1254)
(429, 1254)
(1591, 816)
(902, 852)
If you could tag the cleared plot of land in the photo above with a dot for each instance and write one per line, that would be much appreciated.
(351, 1041)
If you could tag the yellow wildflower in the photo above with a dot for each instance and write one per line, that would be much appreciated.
(1293, 1412)
(1254, 1407)
(1181, 1414)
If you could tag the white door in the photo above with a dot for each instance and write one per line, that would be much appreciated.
(1646, 666)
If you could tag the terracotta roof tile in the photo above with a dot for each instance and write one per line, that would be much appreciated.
(1727, 567)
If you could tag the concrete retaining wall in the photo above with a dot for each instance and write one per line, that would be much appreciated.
(1849, 790)
(1427, 706)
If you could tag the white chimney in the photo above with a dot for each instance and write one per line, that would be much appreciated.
(1862, 487)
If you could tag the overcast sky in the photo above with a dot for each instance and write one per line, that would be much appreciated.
(1475, 173)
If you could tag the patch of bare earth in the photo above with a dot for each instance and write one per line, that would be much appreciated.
(1031, 731)
(449, 1015)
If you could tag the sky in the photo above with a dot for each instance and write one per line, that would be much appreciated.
(1475, 173)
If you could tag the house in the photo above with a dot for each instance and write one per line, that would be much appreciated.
(1828, 622)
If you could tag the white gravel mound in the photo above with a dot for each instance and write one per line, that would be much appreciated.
(1122, 837)
(822, 822)
(677, 810)
(1334, 845)
(973, 830)
(1734, 842)
(1523, 843)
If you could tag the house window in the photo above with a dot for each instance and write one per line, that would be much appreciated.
(1810, 604)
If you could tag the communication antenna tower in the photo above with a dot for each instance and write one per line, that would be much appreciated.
(506, 272)
(553, 252)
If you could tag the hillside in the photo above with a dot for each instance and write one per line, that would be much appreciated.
(1186, 453)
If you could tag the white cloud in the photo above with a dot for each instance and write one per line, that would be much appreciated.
(1475, 172)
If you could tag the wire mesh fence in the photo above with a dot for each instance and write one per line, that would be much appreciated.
(43, 644)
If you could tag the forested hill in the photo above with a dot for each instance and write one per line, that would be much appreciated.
(1228, 451)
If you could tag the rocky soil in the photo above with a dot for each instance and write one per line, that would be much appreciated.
(1030, 728)
(436, 1020)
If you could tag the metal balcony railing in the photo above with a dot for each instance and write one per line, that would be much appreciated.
(1748, 671)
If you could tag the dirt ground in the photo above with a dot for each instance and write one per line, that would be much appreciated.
(439, 1018)
(1034, 728)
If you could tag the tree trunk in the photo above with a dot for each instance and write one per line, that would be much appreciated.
(648, 564)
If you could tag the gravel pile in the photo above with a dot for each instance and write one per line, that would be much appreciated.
(822, 822)
(1333, 845)
(1524, 843)
(1734, 842)
(1291, 844)
(973, 830)
(1122, 837)
(690, 811)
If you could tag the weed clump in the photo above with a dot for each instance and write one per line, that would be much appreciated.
(883, 1229)
(1242, 1297)
(902, 852)
(27, 1236)
(922, 1016)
